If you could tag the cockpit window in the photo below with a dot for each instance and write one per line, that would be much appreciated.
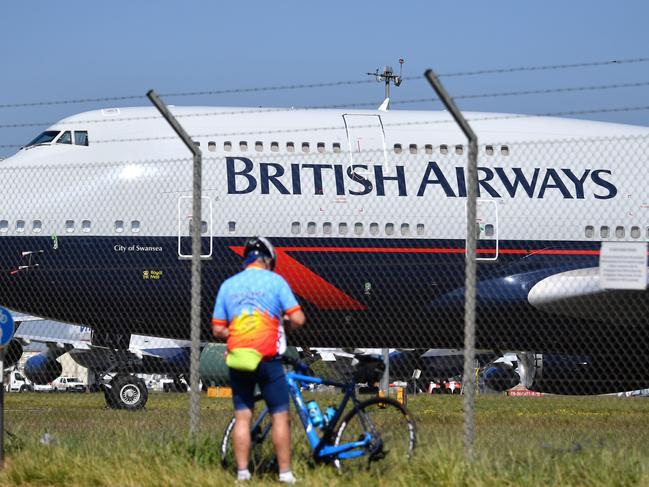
(66, 138)
(81, 137)
(44, 138)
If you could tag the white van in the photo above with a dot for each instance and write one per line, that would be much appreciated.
(18, 383)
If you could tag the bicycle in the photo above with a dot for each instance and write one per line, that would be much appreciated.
(372, 430)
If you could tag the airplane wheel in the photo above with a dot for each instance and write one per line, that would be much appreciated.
(128, 392)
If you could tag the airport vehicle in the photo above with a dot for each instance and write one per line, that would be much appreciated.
(367, 232)
(68, 384)
(16, 382)
(43, 387)
(379, 428)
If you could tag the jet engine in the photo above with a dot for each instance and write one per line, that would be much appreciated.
(500, 376)
(42, 369)
(573, 375)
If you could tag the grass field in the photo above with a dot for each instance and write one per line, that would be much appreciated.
(520, 441)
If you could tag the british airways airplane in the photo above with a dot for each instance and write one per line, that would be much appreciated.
(367, 211)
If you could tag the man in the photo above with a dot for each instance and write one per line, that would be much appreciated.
(249, 311)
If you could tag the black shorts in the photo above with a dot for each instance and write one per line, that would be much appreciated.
(272, 381)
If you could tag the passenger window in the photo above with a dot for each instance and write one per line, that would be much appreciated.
(443, 149)
(389, 228)
(459, 149)
(135, 226)
(274, 146)
(119, 226)
(227, 146)
(358, 228)
(321, 147)
(504, 150)
(489, 150)
(336, 147)
(81, 137)
(290, 147)
(590, 231)
(326, 228)
(66, 138)
(374, 228)
(69, 226)
(342, 228)
(405, 229)
(243, 145)
(305, 147)
(37, 226)
(489, 230)
(420, 229)
(397, 148)
(4, 226)
(619, 232)
(20, 225)
(211, 146)
(635, 232)
(413, 148)
(604, 232)
(259, 146)
(232, 226)
(295, 228)
(310, 228)
(85, 226)
(428, 148)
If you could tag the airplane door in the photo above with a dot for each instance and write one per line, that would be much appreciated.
(185, 225)
(487, 229)
(366, 140)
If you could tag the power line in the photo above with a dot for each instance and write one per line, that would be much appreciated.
(326, 84)
(399, 124)
(348, 105)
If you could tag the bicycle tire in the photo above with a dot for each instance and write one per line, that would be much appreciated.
(395, 426)
(262, 456)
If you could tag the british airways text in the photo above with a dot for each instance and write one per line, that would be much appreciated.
(244, 177)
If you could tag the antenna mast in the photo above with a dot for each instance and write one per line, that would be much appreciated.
(388, 76)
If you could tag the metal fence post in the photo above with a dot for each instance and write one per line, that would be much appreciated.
(468, 379)
(194, 397)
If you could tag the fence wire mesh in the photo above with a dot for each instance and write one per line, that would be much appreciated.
(368, 216)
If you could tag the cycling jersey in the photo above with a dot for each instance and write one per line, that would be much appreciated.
(252, 304)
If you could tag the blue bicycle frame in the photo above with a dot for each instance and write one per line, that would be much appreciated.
(322, 450)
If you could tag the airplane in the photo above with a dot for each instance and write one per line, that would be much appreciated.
(367, 210)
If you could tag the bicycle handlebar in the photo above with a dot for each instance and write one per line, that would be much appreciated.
(297, 364)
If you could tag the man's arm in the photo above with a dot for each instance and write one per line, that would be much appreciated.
(294, 319)
(219, 330)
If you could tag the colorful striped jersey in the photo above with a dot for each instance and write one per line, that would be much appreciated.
(252, 304)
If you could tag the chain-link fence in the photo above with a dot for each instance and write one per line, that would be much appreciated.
(368, 216)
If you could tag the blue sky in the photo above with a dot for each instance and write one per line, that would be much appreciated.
(78, 49)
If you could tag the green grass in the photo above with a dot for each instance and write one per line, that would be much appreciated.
(520, 441)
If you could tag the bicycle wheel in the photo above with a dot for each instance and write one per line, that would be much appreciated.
(389, 422)
(262, 455)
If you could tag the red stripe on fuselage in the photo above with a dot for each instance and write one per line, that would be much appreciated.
(434, 250)
(310, 285)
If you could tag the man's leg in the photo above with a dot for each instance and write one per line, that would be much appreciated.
(243, 385)
(241, 437)
(282, 440)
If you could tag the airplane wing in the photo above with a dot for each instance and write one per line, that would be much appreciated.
(54, 332)
(577, 294)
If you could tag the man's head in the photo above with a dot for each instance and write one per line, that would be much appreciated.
(259, 249)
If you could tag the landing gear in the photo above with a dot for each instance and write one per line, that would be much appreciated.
(122, 390)
(126, 391)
